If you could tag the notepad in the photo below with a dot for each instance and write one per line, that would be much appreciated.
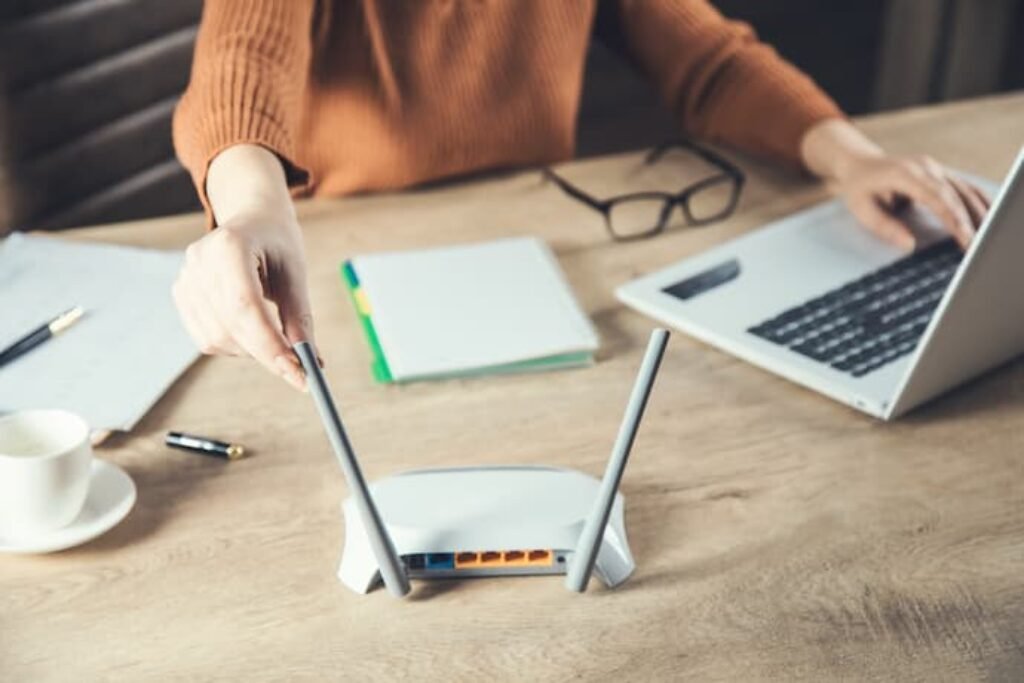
(487, 308)
(124, 353)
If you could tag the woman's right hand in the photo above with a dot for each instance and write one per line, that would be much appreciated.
(242, 289)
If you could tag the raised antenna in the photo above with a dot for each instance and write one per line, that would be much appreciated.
(391, 569)
(581, 564)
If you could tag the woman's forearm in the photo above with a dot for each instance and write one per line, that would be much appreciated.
(834, 146)
(246, 180)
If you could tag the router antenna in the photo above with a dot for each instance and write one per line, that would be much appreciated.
(391, 569)
(582, 562)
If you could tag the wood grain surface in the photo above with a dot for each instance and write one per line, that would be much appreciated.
(778, 535)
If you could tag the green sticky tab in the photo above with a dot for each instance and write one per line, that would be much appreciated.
(348, 274)
(379, 367)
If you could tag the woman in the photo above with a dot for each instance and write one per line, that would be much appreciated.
(340, 96)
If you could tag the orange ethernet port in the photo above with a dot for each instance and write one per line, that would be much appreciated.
(514, 557)
(490, 557)
(539, 557)
(466, 560)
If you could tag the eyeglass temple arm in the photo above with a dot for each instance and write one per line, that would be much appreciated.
(706, 154)
(572, 190)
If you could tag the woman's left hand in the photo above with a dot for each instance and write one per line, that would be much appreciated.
(878, 187)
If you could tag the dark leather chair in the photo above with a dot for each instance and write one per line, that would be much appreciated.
(88, 90)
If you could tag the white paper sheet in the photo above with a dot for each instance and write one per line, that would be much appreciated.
(113, 364)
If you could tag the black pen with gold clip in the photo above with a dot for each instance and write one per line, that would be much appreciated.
(200, 444)
(40, 335)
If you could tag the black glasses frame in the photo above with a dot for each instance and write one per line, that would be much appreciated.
(727, 172)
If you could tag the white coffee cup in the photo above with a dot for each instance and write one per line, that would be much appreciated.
(45, 466)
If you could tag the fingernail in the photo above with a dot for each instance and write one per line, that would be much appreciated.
(285, 364)
(297, 382)
(289, 371)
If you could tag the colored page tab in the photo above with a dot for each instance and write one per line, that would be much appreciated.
(379, 366)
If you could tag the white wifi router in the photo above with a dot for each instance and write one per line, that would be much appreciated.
(484, 521)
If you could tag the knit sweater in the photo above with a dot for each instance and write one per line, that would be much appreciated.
(362, 95)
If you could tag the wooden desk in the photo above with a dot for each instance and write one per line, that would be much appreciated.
(777, 534)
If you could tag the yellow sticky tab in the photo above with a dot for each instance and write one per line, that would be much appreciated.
(362, 302)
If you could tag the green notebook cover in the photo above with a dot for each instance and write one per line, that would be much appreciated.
(379, 366)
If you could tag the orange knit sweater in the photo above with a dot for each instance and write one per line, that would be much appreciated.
(357, 95)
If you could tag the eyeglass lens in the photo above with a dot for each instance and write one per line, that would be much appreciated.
(712, 200)
(637, 217)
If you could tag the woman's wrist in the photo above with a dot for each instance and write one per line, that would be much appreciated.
(832, 148)
(248, 181)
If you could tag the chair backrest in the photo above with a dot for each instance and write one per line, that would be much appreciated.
(88, 91)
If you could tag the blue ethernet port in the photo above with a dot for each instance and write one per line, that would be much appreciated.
(440, 561)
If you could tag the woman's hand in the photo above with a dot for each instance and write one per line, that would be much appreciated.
(242, 289)
(242, 292)
(878, 188)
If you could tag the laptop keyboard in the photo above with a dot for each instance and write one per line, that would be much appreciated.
(872, 321)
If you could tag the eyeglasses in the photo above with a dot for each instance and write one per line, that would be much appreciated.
(645, 214)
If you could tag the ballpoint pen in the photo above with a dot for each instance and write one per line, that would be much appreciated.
(201, 444)
(40, 335)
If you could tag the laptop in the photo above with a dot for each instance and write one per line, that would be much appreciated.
(818, 300)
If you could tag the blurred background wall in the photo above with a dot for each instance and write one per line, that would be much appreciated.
(89, 87)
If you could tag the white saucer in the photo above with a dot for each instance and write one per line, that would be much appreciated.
(111, 496)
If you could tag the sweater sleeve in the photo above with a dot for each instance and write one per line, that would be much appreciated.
(249, 73)
(720, 81)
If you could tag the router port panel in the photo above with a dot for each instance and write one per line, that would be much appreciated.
(470, 563)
